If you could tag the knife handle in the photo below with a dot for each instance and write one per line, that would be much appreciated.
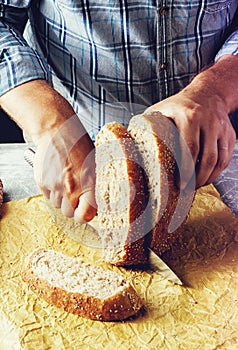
(29, 155)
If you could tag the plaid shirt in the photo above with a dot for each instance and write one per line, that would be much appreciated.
(113, 58)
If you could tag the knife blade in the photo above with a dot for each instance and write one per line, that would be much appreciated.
(91, 237)
(160, 267)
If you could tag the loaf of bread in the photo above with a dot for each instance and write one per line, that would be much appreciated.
(80, 288)
(155, 137)
(121, 197)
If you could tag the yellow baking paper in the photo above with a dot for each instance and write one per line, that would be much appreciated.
(201, 315)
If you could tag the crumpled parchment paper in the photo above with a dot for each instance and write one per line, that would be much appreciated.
(202, 314)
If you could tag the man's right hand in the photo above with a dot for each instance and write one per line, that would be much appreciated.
(64, 164)
(64, 168)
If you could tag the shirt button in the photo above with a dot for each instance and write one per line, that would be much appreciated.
(163, 10)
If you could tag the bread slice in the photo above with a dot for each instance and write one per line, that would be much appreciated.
(80, 288)
(121, 197)
(155, 137)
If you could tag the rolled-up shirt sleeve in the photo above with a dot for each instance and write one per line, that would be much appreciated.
(230, 46)
(19, 63)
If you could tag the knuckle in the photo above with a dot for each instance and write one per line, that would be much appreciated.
(195, 114)
(211, 160)
(69, 183)
(222, 164)
(227, 130)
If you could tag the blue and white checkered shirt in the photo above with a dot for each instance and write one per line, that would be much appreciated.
(113, 58)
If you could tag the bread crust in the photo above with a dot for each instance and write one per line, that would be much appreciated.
(164, 136)
(120, 306)
(134, 250)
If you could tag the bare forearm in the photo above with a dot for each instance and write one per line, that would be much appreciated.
(63, 146)
(37, 108)
(201, 113)
(220, 80)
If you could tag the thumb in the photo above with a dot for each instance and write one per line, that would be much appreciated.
(86, 209)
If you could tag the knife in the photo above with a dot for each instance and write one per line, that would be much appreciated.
(158, 266)
(68, 225)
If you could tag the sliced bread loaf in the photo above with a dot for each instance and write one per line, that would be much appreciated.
(155, 137)
(80, 288)
(121, 196)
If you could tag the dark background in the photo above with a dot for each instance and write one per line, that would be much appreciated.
(9, 131)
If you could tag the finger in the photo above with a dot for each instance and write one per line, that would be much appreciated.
(56, 199)
(224, 157)
(86, 209)
(66, 207)
(45, 192)
(44, 189)
(208, 159)
(187, 157)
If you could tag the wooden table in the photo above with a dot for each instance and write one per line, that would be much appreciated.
(18, 180)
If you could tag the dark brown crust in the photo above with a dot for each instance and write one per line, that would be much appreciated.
(1, 192)
(160, 237)
(116, 308)
(134, 249)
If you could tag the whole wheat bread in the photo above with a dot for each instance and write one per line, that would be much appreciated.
(80, 288)
(121, 196)
(156, 140)
(137, 199)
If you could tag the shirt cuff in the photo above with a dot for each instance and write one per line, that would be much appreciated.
(230, 47)
(18, 65)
